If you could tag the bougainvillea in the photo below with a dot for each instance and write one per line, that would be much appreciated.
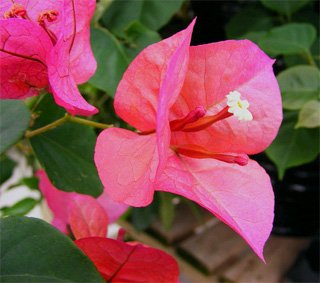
(81, 210)
(46, 44)
(199, 112)
(88, 219)
(129, 262)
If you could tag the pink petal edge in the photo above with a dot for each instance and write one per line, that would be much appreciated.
(126, 163)
(136, 98)
(241, 196)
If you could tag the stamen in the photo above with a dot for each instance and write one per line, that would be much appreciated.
(193, 116)
(47, 15)
(238, 107)
(195, 151)
(16, 11)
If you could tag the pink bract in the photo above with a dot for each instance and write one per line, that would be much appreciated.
(129, 262)
(86, 215)
(46, 44)
(169, 84)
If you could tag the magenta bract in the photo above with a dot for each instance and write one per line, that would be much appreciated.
(46, 44)
(195, 132)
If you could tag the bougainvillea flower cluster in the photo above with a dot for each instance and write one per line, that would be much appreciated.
(46, 44)
(88, 220)
(199, 112)
(90, 216)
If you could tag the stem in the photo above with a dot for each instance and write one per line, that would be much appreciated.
(30, 134)
(37, 102)
(65, 118)
(89, 123)
(309, 58)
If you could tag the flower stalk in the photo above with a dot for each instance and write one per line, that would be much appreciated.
(64, 119)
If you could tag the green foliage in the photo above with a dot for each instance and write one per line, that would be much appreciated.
(126, 30)
(298, 85)
(254, 36)
(309, 115)
(286, 7)
(290, 36)
(293, 147)
(66, 153)
(111, 58)
(167, 210)
(288, 39)
(31, 182)
(6, 168)
(249, 20)
(14, 121)
(34, 251)
(151, 13)
(142, 217)
(138, 37)
(20, 208)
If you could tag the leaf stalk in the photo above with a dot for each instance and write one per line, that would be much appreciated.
(67, 117)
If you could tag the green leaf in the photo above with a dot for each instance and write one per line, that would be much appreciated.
(254, 36)
(288, 39)
(101, 7)
(299, 85)
(250, 19)
(111, 58)
(66, 152)
(20, 208)
(309, 115)
(286, 7)
(31, 182)
(167, 210)
(34, 251)
(293, 60)
(142, 217)
(151, 13)
(139, 37)
(14, 121)
(293, 147)
(6, 168)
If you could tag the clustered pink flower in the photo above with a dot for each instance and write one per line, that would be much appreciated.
(67, 206)
(88, 220)
(199, 112)
(46, 44)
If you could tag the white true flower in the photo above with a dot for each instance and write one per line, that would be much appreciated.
(238, 107)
